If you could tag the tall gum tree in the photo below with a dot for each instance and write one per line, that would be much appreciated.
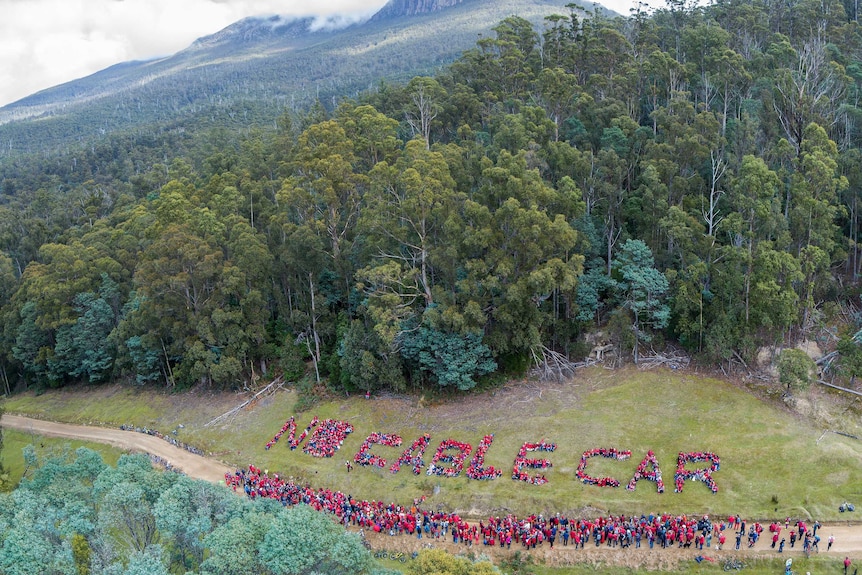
(516, 254)
(320, 204)
(642, 289)
(406, 210)
(814, 191)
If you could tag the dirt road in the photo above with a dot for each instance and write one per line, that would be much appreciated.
(848, 537)
(192, 465)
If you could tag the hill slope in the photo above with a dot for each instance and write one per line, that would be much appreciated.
(248, 73)
(774, 463)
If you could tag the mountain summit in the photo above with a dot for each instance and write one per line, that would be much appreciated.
(399, 8)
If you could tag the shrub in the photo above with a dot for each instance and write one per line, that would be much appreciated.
(795, 369)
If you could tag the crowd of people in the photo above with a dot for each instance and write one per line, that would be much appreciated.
(617, 531)
(445, 463)
(413, 455)
(642, 473)
(609, 453)
(363, 457)
(329, 435)
(170, 438)
(522, 463)
(477, 470)
(705, 475)
(324, 442)
(163, 463)
(289, 427)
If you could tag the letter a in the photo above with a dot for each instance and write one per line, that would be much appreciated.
(415, 461)
(642, 473)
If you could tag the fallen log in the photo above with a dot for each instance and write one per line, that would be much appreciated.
(826, 358)
(277, 383)
(554, 366)
(832, 385)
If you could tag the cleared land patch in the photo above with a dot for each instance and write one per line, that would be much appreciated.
(772, 464)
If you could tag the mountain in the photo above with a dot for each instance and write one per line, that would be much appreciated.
(396, 8)
(250, 72)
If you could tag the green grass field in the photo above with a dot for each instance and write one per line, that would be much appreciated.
(773, 463)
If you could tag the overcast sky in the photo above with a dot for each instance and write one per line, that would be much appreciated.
(44, 43)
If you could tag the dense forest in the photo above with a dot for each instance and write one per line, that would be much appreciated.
(688, 175)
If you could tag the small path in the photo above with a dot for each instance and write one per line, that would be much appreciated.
(848, 542)
(196, 466)
(848, 538)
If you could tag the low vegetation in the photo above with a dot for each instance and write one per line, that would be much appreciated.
(20, 448)
(774, 463)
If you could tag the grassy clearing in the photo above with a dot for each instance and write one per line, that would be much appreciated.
(14, 443)
(772, 464)
(115, 405)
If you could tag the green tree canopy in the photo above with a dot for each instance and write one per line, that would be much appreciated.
(641, 289)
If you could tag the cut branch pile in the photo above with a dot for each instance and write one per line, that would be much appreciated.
(550, 365)
(825, 362)
(276, 384)
(671, 358)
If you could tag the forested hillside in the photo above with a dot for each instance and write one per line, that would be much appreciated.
(689, 175)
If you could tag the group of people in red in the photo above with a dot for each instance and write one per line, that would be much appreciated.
(522, 463)
(328, 436)
(609, 453)
(324, 442)
(363, 457)
(289, 427)
(705, 475)
(642, 473)
(621, 531)
(374, 515)
(413, 455)
(476, 469)
(454, 464)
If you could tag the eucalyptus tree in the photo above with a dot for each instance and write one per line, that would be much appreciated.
(233, 546)
(815, 210)
(320, 204)
(411, 207)
(518, 254)
(810, 89)
(642, 290)
(128, 494)
(187, 513)
(755, 217)
(302, 541)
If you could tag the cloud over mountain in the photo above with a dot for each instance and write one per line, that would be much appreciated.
(47, 42)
